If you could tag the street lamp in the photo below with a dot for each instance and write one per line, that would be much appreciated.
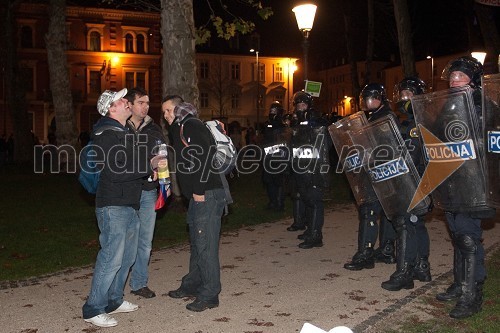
(432, 72)
(305, 19)
(480, 56)
(291, 69)
(257, 90)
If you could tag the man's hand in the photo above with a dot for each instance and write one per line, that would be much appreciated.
(198, 198)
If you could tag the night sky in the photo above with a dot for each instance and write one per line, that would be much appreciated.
(439, 27)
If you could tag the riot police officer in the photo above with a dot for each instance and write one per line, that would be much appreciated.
(310, 170)
(373, 100)
(415, 247)
(275, 154)
(465, 225)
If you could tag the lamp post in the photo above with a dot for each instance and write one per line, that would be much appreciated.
(257, 90)
(432, 72)
(291, 70)
(305, 19)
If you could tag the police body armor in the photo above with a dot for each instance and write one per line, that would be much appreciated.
(390, 167)
(310, 159)
(349, 159)
(449, 127)
(276, 148)
(491, 135)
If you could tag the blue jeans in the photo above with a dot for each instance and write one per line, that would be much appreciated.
(204, 220)
(147, 216)
(119, 226)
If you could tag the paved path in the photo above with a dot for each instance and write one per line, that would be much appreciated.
(268, 285)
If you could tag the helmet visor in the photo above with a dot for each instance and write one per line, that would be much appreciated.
(369, 103)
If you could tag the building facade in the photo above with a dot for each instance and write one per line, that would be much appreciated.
(113, 49)
(337, 93)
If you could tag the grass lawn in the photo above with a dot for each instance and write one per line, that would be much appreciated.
(47, 222)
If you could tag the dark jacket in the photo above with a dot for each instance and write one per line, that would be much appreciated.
(121, 178)
(153, 137)
(193, 168)
(384, 110)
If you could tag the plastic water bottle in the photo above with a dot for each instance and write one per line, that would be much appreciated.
(163, 172)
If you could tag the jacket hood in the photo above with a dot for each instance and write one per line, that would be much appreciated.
(105, 123)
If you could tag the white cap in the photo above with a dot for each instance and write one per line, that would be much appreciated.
(107, 98)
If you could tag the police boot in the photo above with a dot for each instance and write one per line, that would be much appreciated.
(386, 253)
(402, 278)
(305, 234)
(362, 259)
(298, 218)
(471, 299)
(454, 290)
(422, 270)
(315, 239)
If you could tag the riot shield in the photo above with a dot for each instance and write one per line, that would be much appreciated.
(448, 124)
(390, 167)
(349, 161)
(491, 135)
(310, 153)
(276, 149)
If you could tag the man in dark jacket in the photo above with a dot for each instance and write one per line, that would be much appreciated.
(202, 186)
(117, 200)
(141, 123)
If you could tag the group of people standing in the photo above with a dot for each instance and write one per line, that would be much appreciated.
(127, 195)
(296, 151)
(401, 233)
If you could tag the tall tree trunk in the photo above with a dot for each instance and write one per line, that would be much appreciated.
(489, 31)
(55, 40)
(15, 90)
(370, 42)
(403, 25)
(179, 58)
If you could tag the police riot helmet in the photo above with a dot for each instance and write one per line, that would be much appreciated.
(414, 85)
(276, 110)
(468, 65)
(370, 95)
(302, 103)
(302, 97)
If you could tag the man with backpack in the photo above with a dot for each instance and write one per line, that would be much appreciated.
(117, 201)
(202, 185)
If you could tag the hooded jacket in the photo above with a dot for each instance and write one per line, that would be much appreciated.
(124, 168)
(192, 162)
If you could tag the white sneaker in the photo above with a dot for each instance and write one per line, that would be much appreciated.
(102, 320)
(126, 307)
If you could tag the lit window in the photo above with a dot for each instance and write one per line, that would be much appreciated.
(278, 73)
(94, 83)
(141, 44)
(129, 43)
(136, 79)
(95, 41)
(203, 70)
(235, 71)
